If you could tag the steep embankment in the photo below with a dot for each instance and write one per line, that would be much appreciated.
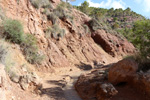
(75, 46)
(66, 40)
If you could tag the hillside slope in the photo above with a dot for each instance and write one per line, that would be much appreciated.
(118, 21)
(76, 46)
(65, 36)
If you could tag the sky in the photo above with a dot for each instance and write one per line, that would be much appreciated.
(138, 6)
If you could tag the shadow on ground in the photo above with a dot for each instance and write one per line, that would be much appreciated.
(59, 90)
(54, 92)
(84, 66)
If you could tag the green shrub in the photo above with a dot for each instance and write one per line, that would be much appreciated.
(46, 4)
(30, 49)
(13, 30)
(53, 18)
(60, 12)
(46, 11)
(63, 11)
(55, 32)
(115, 19)
(94, 24)
(65, 5)
(41, 3)
(86, 28)
(115, 26)
(36, 3)
(62, 33)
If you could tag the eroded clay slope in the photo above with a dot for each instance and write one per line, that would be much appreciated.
(75, 46)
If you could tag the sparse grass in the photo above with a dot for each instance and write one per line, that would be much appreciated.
(94, 24)
(86, 28)
(65, 5)
(53, 18)
(55, 32)
(35, 3)
(46, 11)
(60, 12)
(61, 33)
(63, 11)
(41, 3)
(6, 56)
(30, 49)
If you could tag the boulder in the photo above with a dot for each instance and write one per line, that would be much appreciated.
(122, 71)
(94, 86)
(15, 78)
(29, 79)
(112, 44)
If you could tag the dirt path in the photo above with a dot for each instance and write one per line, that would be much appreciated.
(60, 86)
(69, 90)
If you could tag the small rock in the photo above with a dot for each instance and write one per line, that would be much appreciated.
(24, 69)
(27, 79)
(13, 98)
(15, 78)
(67, 79)
(70, 69)
(102, 72)
(24, 82)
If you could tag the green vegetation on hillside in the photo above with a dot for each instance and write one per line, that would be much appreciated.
(131, 25)
(111, 20)
(41, 3)
(61, 12)
(13, 32)
(55, 32)
(141, 37)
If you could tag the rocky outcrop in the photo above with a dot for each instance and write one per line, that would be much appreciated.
(113, 44)
(125, 71)
(123, 82)
(94, 86)
(26, 81)
(122, 71)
